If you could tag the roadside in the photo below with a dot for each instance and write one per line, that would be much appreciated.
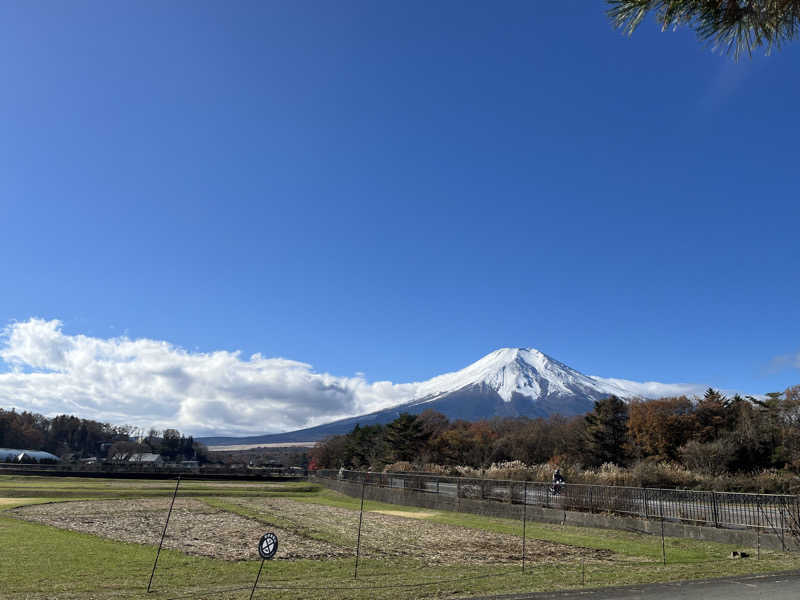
(775, 586)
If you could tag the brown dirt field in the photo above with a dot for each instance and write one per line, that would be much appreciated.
(194, 527)
(305, 531)
(390, 535)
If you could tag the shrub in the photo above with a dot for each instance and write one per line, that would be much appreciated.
(711, 458)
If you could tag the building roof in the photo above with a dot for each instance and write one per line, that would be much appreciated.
(12, 454)
(145, 457)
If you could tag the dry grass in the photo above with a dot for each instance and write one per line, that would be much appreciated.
(305, 531)
(396, 535)
(407, 514)
(194, 528)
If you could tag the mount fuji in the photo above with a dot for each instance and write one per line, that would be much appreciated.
(510, 382)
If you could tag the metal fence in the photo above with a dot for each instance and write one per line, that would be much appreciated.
(771, 512)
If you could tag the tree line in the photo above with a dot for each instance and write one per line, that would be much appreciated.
(71, 437)
(59, 435)
(714, 434)
(170, 444)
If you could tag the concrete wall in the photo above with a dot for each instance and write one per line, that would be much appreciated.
(743, 538)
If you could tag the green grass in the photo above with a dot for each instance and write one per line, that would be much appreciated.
(39, 562)
(621, 542)
(76, 487)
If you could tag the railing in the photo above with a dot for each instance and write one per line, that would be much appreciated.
(146, 470)
(775, 512)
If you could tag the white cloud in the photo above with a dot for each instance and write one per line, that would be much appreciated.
(783, 362)
(153, 383)
(652, 389)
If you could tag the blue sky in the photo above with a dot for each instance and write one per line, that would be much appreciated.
(396, 189)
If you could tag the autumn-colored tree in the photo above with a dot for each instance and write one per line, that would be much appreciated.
(329, 453)
(468, 443)
(658, 428)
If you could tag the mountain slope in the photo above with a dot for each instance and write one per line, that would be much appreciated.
(510, 382)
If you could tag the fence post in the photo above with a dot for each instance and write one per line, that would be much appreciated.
(524, 521)
(360, 519)
(644, 495)
(783, 543)
(661, 514)
(163, 533)
(714, 508)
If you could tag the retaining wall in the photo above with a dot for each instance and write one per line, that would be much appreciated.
(743, 538)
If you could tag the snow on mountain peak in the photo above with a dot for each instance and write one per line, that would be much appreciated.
(524, 371)
(529, 372)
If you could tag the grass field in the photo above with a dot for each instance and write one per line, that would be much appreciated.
(95, 538)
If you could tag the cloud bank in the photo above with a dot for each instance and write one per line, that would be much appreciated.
(153, 383)
(150, 383)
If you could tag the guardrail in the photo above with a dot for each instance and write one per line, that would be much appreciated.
(779, 513)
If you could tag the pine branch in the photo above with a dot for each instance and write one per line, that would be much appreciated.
(730, 26)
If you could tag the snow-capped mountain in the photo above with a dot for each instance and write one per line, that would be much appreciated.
(526, 372)
(509, 382)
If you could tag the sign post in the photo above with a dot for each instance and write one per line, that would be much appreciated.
(267, 547)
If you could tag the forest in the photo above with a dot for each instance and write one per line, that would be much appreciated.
(718, 442)
(70, 437)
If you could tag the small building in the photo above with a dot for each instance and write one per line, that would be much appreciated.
(146, 458)
(13, 455)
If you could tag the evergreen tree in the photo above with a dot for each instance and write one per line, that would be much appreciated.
(406, 438)
(607, 431)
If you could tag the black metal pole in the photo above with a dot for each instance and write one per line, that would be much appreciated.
(783, 543)
(360, 520)
(163, 533)
(661, 514)
(253, 591)
(758, 534)
(524, 521)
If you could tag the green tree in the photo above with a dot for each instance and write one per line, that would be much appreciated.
(607, 432)
(406, 438)
(714, 416)
(365, 447)
(733, 26)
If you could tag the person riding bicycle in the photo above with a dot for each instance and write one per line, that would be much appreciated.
(558, 481)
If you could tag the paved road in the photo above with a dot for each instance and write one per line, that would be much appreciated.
(780, 586)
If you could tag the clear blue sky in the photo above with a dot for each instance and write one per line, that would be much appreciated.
(399, 188)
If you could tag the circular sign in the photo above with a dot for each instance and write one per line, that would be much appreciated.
(268, 545)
